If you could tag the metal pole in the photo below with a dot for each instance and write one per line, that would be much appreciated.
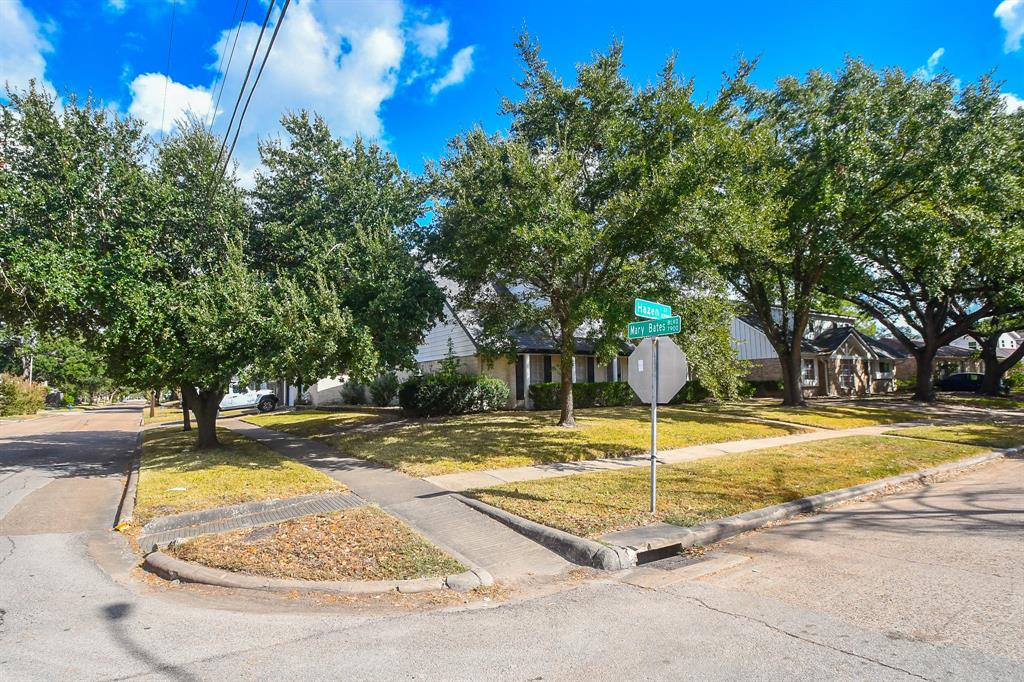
(654, 425)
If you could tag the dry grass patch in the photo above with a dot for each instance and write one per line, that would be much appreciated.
(355, 544)
(509, 439)
(993, 434)
(591, 505)
(320, 423)
(175, 477)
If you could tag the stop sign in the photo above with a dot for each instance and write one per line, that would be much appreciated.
(673, 369)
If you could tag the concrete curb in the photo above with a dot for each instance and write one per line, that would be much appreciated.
(131, 487)
(663, 536)
(570, 547)
(170, 568)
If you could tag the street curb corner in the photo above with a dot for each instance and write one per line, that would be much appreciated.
(131, 487)
(575, 549)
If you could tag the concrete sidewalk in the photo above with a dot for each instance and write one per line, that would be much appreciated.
(454, 527)
(482, 479)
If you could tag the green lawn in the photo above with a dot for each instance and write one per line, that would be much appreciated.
(819, 414)
(175, 477)
(593, 504)
(509, 439)
(992, 434)
(1010, 403)
(319, 423)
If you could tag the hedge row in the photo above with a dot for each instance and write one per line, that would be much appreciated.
(600, 394)
(18, 396)
(440, 394)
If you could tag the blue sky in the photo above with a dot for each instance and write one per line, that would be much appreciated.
(414, 74)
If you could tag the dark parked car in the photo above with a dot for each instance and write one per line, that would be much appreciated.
(963, 381)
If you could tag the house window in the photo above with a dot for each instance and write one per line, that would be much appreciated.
(809, 372)
(547, 369)
(884, 368)
(591, 369)
(973, 345)
(846, 372)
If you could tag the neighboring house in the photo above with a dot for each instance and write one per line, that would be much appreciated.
(1009, 341)
(537, 358)
(837, 360)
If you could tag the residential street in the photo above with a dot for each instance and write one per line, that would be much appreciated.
(926, 584)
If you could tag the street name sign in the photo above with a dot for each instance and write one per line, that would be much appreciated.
(650, 309)
(662, 327)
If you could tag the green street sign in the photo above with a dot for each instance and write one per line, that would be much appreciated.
(669, 325)
(651, 310)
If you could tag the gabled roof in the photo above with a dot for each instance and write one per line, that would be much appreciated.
(831, 340)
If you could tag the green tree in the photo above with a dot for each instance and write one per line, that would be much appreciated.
(555, 227)
(333, 217)
(73, 198)
(837, 154)
(947, 259)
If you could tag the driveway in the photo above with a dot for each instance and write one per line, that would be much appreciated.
(923, 585)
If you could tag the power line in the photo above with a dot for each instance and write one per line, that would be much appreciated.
(245, 82)
(224, 71)
(270, 46)
(167, 70)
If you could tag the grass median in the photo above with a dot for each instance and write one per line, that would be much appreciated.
(364, 543)
(593, 504)
(992, 434)
(509, 439)
(175, 477)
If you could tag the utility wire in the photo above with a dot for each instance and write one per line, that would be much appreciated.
(266, 55)
(245, 82)
(167, 70)
(214, 108)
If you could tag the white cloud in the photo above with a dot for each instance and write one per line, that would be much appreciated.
(23, 45)
(148, 101)
(341, 60)
(430, 39)
(462, 66)
(1012, 102)
(116, 5)
(1010, 14)
(928, 71)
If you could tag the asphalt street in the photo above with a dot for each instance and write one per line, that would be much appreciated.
(925, 584)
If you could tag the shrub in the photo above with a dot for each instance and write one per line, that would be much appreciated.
(384, 389)
(18, 396)
(353, 393)
(761, 389)
(908, 384)
(1014, 378)
(598, 394)
(691, 392)
(441, 394)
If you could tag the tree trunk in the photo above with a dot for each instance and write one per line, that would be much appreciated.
(205, 404)
(924, 389)
(152, 404)
(995, 369)
(567, 417)
(186, 418)
(792, 377)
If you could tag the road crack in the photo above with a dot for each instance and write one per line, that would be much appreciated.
(782, 631)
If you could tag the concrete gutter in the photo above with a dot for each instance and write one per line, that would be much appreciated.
(570, 547)
(170, 568)
(131, 487)
(666, 537)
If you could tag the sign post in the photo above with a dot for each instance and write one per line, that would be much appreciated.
(665, 362)
(654, 425)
